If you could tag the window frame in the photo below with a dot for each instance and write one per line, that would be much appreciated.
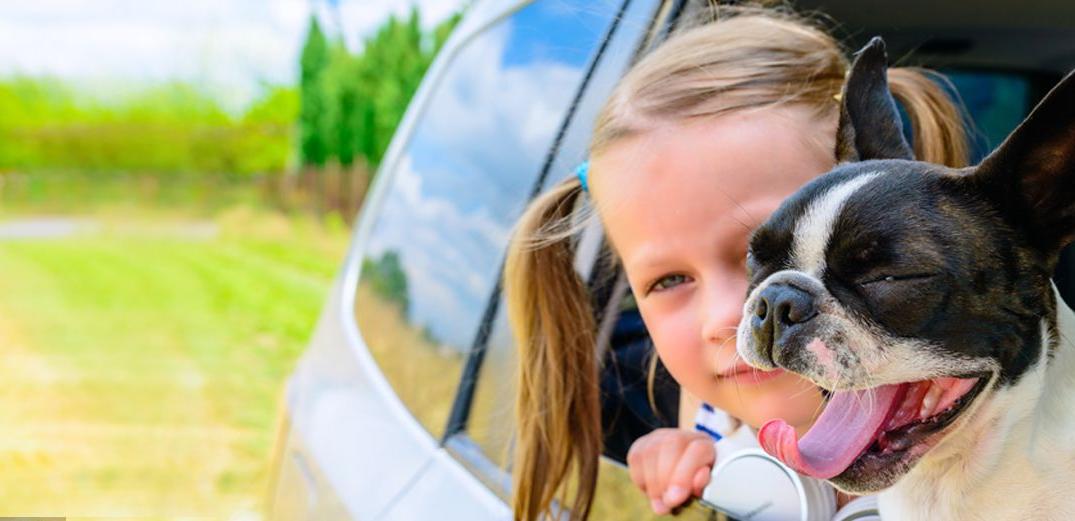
(464, 395)
(478, 21)
(456, 440)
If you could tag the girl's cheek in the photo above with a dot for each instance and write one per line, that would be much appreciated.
(665, 315)
(676, 338)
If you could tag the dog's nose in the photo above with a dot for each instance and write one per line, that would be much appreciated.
(779, 308)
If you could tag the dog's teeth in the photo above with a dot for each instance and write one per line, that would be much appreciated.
(910, 406)
(929, 401)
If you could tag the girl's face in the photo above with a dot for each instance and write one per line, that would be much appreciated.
(679, 204)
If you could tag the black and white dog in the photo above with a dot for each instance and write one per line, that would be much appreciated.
(920, 297)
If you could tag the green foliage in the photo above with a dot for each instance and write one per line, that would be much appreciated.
(341, 125)
(387, 279)
(355, 101)
(264, 143)
(312, 64)
(169, 128)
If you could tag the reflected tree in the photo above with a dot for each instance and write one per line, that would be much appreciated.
(386, 277)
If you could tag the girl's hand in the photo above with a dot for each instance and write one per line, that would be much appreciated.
(671, 464)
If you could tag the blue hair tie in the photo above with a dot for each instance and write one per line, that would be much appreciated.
(583, 172)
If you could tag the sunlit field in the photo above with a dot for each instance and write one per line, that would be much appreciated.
(143, 357)
(171, 218)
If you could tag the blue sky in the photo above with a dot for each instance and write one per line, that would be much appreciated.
(230, 46)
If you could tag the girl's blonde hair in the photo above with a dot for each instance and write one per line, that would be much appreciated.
(746, 58)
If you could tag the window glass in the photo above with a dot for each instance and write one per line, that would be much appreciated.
(490, 424)
(434, 253)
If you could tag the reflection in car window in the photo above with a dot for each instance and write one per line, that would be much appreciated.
(434, 252)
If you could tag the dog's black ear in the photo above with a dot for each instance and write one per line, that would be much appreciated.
(1031, 175)
(870, 126)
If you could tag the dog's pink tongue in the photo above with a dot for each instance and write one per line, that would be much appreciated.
(845, 428)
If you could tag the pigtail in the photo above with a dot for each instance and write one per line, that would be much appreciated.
(939, 135)
(558, 412)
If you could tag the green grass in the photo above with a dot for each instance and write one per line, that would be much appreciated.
(142, 363)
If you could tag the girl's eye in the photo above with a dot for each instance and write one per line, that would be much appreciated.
(668, 282)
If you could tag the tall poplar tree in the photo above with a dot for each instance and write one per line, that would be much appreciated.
(313, 144)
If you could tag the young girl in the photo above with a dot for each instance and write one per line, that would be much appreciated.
(698, 144)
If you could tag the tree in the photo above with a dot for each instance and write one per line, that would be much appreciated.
(387, 278)
(352, 103)
(343, 90)
(313, 103)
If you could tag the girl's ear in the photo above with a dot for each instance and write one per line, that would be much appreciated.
(1031, 175)
(870, 126)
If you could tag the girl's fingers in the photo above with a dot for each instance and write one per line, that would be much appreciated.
(698, 454)
(669, 453)
(654, 488)
(635, 464)
(669, 464)
(650, 469)
(701, 479)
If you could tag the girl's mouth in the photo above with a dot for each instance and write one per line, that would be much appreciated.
(746, 375)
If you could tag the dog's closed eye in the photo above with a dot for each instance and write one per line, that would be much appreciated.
(898, 278)
(884, 287)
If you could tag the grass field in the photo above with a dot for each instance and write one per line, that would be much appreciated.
(142, 361)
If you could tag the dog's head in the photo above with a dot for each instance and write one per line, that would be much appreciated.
(913, 292)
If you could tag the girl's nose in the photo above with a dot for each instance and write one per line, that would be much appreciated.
(720, 313)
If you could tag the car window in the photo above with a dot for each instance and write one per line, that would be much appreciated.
(484, 446)
(433, 255)
(491, 418)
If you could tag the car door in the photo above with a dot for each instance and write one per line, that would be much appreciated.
(478, 436)
(482, 143)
